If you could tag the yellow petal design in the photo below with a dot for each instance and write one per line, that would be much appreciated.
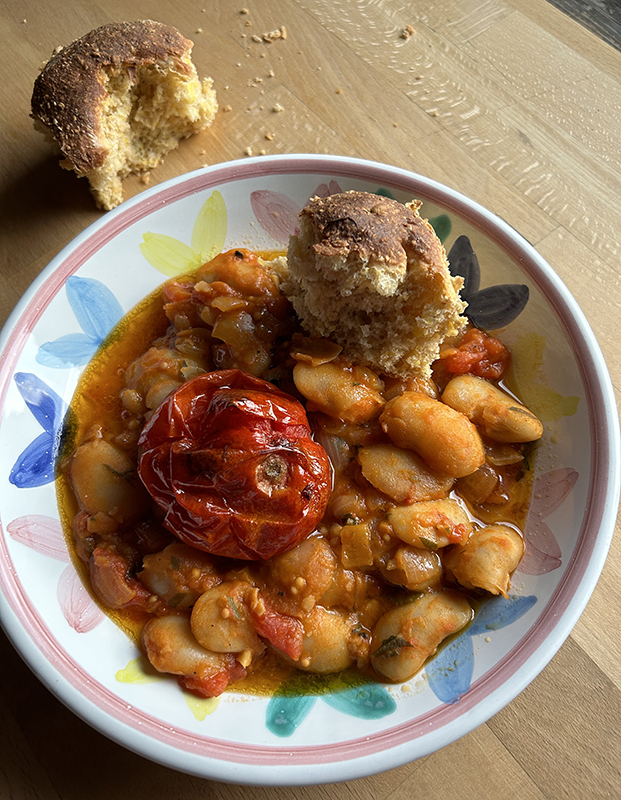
(138, 670)
(209, 233)
(201, 706)
(169, 255)
(527, 365)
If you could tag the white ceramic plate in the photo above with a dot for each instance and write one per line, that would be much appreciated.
(92, 666)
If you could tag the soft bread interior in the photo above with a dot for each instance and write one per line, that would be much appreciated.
(147, 111)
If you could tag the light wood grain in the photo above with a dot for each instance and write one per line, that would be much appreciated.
(508, 101)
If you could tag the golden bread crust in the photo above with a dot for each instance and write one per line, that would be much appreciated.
(371, 226)
(69, 92)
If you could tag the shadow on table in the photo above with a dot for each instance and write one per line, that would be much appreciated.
(35, 202)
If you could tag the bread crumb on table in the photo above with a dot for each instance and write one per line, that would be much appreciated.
(407, 32)
(275, 35)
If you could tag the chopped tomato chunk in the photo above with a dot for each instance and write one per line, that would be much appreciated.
(478, 354)
(284, 633)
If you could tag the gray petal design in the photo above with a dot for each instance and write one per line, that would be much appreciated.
(497, 306)
(464, 263)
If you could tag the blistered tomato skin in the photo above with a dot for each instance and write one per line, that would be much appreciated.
(230, 460)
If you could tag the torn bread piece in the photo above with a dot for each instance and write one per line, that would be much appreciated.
(371, 274)
(119, 99)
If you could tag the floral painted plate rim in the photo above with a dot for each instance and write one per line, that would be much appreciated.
(377, 751)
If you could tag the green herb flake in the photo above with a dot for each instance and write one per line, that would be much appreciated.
(176, 600)
(391, 647)
(349, 519)
(175, 563)
(428, 544)
(234, 607)
(128, 475)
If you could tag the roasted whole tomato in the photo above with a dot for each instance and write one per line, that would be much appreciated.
(231, 461)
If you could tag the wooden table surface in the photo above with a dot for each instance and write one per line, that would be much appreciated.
(508, 101)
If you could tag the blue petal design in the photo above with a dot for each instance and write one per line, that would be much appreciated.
(46, 406)
(95, 307)
(35, 465)
(97, 311)
(284, 714)
(369, 701)
(450, 673)
(499, 612)
(74, 349)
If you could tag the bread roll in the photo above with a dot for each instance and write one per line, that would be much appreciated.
(119, 99)
(370, 273)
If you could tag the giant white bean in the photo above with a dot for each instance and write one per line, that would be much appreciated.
(431, 524)
(221, 619)
(487, 560)
(500, 416)
(171, 647)
(445, 438)
(351, 394)
(105, 480)
(405, 636)
(402, 474)
(326, 638)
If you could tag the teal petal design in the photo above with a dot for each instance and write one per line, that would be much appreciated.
(369, 701)
(284, 714)
(384, 193)
(442, 225)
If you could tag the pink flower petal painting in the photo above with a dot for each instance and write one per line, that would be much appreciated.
(41, 533)
(277, 214)
(45, 535)
(543, 553)
(77, 605)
